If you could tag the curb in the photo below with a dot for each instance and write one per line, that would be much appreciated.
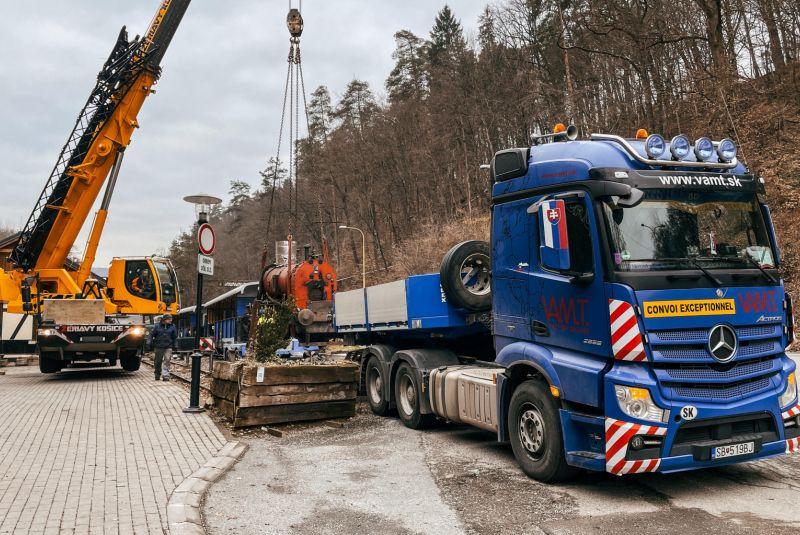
(183, 508)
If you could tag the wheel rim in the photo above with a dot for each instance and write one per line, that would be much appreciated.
(532, 431)
(375, 384)
(475, 274)
(407, 395)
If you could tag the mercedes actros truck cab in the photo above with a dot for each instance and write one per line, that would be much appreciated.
(628, 315)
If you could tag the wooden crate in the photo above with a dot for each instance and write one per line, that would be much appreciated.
(286, 393)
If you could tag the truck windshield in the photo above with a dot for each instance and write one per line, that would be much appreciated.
(679, 229)
(167, 281)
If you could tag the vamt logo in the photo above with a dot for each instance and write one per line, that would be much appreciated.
(759, 302)
(565, 315)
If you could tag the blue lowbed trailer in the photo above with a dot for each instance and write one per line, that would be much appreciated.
(627, 316)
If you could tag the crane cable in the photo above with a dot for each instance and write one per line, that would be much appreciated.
(295, 84)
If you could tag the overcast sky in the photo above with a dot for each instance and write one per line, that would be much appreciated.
(216, 113)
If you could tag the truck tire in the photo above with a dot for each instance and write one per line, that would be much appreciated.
(536, 437)
(130, 363)
(48, 364)
(407, 392)
(374, 385)
(466, 275)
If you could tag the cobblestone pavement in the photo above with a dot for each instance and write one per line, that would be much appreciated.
(95, 450)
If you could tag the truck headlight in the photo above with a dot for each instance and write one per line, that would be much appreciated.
(137, 331)
(790, 394)
(637, 402)
(46, 332)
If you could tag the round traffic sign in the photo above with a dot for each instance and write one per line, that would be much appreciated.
(206, 239)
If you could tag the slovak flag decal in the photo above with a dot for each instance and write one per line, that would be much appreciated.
(554, 246)
(555, 233)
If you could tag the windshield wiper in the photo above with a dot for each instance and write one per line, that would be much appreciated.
(698, 266)
(761, 269)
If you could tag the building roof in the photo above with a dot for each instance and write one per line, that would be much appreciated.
(248, 289)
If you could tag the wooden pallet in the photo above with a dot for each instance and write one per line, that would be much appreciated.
(285, 393)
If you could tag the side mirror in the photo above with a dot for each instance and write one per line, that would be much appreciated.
(554, 248)
(632, 199)
(26, 294)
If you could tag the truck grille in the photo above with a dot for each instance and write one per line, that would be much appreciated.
(699, 352)
(722, 391)
(691, 371)
(686, 370)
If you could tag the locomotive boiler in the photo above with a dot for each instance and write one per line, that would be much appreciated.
(312, 283)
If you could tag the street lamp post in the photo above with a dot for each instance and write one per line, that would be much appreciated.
(202, 205)
(363, 253)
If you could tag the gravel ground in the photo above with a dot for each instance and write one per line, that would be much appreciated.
(376, 476)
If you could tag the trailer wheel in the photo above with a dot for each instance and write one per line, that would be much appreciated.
(466, 275)
(536, 436)
(47, 364)
(407, 393)
(375, 384)
(130, 363)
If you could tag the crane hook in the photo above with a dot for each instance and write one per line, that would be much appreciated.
(294, 21)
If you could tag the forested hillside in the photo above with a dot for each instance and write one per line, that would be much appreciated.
(402, 162)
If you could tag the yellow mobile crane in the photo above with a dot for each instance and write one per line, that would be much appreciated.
(71, 316)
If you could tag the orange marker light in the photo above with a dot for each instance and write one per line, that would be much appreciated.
(559, 128)
(639, 393)
(555, 391)
(641, 134)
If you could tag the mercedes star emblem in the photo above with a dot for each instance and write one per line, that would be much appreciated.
(722, 343)
(720, 293)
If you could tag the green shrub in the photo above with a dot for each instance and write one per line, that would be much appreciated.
(273, 329)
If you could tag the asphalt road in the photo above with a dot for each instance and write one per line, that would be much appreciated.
(376, 476)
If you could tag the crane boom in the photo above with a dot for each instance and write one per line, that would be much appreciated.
(103, 127)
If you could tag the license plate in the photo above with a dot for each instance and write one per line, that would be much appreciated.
(733, 450)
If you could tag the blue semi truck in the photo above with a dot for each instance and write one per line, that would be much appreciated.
(627, 315)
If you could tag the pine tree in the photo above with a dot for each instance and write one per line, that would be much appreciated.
(319, 114)
(446, 36)
(407, 79)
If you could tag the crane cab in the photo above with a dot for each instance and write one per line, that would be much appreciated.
(145, 285)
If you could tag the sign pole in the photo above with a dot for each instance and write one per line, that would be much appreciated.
(194, 392)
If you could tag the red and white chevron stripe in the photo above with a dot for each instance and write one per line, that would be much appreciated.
(793, 445)
(794, 411)
(618, 435)
(626, 339)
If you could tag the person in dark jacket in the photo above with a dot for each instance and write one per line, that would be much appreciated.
(165, 338)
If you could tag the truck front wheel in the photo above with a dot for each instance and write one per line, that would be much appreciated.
(130, 363)
(407, 392)
(536, 438)
(47, 364)
(375, 387)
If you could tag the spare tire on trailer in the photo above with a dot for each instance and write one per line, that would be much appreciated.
(466, 275)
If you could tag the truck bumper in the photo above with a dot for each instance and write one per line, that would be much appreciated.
(687, 462)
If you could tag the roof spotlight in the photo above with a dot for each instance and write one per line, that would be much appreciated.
(655, 146)
(726, 150)
(680, 147)
(703, 149)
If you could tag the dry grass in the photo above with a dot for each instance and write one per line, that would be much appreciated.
(423, 252)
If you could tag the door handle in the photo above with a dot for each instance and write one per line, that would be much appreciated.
(522, 265)
(540, 328)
